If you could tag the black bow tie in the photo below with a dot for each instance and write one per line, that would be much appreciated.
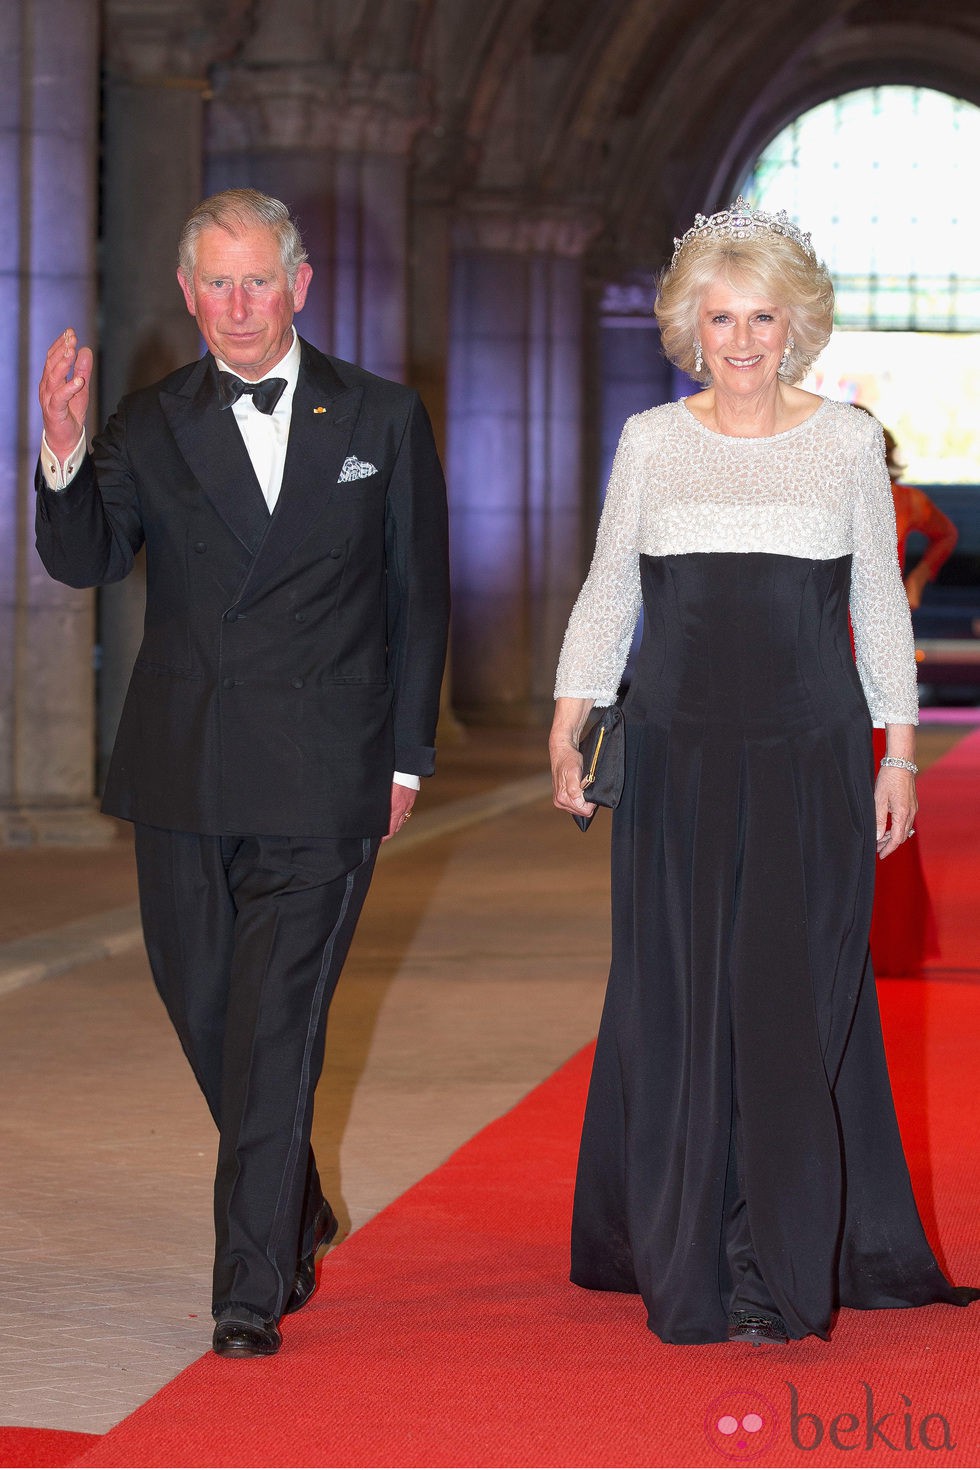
(265, 395)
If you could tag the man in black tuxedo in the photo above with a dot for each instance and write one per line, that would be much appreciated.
(283, 704)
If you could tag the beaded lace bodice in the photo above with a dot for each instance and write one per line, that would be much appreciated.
(818, 491)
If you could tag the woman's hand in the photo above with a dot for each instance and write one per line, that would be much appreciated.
(896, 806)
(566, 760)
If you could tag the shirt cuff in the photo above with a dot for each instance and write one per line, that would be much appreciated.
(401, 779)
(57, 475)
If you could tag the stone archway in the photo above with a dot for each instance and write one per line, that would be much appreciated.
(635, 117)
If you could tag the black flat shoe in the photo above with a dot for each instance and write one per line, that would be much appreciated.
(239, 1333)
(325, 1228)
(756, 1327)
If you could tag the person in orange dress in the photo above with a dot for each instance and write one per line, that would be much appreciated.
(914, 511)
(903, 926)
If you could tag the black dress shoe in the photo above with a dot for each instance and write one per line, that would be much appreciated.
(239, 1333)
(756, 1327)
(325, 1227)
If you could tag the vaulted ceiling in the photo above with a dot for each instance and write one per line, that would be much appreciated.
(640, 110)
(651, 109)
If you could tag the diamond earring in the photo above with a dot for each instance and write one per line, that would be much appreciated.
(790, 345)
(698, 359)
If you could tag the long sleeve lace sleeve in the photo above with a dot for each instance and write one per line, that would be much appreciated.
(600, 629)
(879, 607)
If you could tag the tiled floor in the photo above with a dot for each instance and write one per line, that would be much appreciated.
(478, 968)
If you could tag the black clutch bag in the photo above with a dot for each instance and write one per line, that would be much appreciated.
(603, 750)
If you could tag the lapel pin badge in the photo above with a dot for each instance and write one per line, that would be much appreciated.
(319, 409)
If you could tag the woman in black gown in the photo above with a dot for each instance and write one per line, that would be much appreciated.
(741, 1165)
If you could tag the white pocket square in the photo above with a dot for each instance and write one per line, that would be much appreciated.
(355, 469)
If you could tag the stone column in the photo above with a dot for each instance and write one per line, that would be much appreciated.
(157, 57)
(335, 146)
(633, 373)
(430, 294)
(49, 78)
(516, 438)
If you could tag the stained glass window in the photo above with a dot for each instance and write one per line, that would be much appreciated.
(885, 180)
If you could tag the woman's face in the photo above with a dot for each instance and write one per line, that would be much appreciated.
(742, 339)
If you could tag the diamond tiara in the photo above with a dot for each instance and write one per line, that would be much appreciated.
(741, 222)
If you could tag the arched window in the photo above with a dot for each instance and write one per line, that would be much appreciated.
(885, 178)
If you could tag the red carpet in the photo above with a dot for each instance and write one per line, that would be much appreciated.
(445, 1332)
(950, 797)
(44, 1448)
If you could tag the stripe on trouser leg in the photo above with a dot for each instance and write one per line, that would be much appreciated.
(296, 1138)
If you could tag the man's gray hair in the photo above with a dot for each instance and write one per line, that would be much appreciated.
(235, 210)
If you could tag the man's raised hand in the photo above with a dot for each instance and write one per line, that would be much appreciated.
(64, 393)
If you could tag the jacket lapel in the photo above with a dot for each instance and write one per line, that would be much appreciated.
(209, 440)
(324, 413)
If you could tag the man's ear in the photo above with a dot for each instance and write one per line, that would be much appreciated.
(188, 291)
(301, 285)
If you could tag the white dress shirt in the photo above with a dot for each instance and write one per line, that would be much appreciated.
(266, 436)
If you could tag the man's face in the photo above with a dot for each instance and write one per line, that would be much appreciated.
(242, 301)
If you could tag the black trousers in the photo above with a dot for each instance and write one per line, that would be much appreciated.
(246, 938)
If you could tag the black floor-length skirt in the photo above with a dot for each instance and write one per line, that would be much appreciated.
(740, 1146)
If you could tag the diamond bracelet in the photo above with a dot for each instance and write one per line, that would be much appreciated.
(896, 760)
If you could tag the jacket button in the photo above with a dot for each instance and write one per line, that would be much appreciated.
(200, 546)
(297, 683)
(335, 552)
(228, 683)
(299, 617)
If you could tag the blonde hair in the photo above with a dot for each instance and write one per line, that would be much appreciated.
(775, 266)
